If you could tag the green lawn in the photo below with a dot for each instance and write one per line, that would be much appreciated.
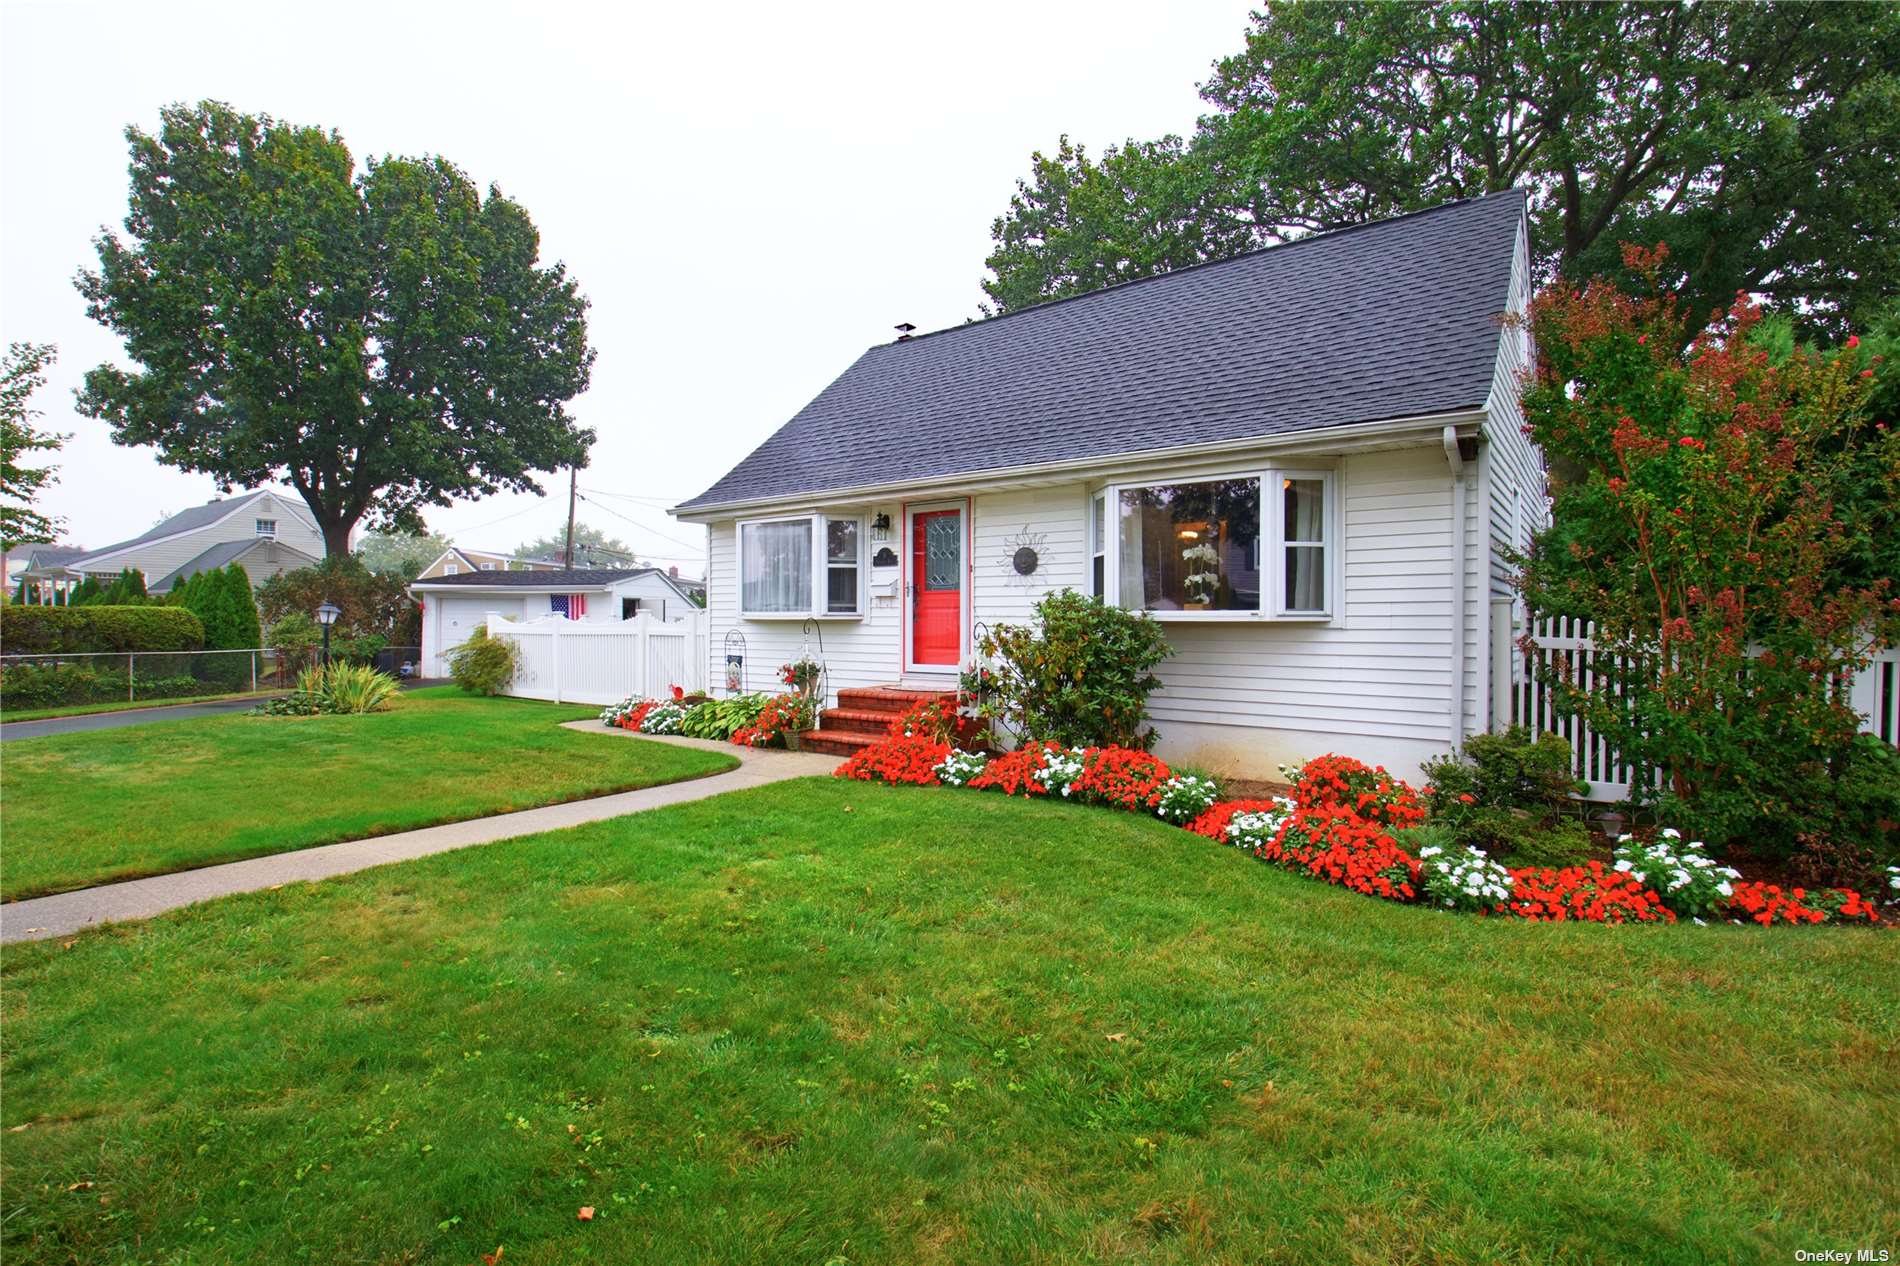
(824, 1022)
(82, 809)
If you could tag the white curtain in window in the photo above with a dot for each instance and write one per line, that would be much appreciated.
(777, 566)
(1305, 564)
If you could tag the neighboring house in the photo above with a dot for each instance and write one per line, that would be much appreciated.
(265, 532)
(42, 567)
(1306, 461)
(455, 606)
(456, 561)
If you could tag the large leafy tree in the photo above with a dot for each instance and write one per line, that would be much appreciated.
(22, 372)
(402, 554)
(1711, 128)
(383, 339)
(592, 547)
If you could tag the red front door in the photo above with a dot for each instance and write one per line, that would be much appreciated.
(936, 588)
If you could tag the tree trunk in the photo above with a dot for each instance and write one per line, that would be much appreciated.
(336, 539)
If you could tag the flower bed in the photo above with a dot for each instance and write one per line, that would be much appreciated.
(745, 720)
(1339, 826)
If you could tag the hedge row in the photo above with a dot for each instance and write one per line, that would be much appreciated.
(82, 630)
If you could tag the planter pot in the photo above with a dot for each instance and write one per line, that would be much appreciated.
(794, 742)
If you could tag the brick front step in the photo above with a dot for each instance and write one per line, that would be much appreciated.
(836, 742)
(863, 717)
(857, 722)
(889, 700)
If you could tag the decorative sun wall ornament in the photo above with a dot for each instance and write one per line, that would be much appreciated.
(1022, 557)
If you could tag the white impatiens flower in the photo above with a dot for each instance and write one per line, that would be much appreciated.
(1688, 880)
(956, 769)
(1185, 797)
(1463, 878)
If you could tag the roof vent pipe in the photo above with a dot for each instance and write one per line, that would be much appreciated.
(904, 329)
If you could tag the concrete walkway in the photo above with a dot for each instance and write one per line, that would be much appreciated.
(68, 912)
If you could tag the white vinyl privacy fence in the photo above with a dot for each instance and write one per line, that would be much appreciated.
(605, 661)
(1520, 696)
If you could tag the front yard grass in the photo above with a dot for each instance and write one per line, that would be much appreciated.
(823, 1021)
(89, 808)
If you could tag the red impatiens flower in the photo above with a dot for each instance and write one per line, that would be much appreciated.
(1213, 823)
(1334, 781)
(1592, 893)
(1121, 777)
(911, 761)
(1341, 847)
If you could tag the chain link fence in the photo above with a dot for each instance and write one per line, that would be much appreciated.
(66, 680)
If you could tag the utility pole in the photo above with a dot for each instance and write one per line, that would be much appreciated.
(567, 555)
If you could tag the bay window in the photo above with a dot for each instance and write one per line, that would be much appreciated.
(1259, 545)
(804, 566)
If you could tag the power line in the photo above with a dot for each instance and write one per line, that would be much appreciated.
(643, 527)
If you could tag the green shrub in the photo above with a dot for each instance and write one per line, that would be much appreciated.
(1510, 794)
(1080, 677)
(484, 665)
(295, 636)
(30, 686)
(97, 629)
(722, 718)
(335, 689)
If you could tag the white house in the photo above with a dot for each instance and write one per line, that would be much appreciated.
(457, 561)
(455, 606)
(1306, 461)
(265, 532)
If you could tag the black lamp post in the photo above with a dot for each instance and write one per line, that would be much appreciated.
(326, 616)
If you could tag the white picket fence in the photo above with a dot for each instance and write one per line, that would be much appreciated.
(1521, 698)
(605, 661)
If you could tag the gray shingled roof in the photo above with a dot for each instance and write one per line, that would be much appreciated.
(223, 554)
(184, 521)
(1389, 320)
(576, 578)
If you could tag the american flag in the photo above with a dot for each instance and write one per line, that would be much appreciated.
(571, 605)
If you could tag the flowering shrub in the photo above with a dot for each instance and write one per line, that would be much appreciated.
(1060, 770)
(908, 761)
(1591, 892)
(1463, 879)
(1689, 882)
(1330, 781)
(1014, 773)
(1081, 675)
(781, 715)
(1122, 778)
(664, 717)
(1214, 821)
(959, 767)
(1183, 798)
(1252, 829)
(1341, 847)
(1767, 903)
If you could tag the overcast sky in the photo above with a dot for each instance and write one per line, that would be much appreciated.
(749, 195)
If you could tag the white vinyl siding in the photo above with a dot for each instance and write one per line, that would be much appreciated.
(160, 558)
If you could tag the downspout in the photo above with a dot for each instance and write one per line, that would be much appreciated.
(1457, 462)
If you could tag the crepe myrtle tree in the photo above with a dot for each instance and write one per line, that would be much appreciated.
(384, 338)
(1713, 508)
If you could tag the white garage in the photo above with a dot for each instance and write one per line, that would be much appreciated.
(455, 606)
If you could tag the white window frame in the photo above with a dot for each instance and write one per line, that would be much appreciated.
(264, 528)
(1328, 545)
(451, 569)
(1098, 534)
(820, 564)
(1273, 568)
